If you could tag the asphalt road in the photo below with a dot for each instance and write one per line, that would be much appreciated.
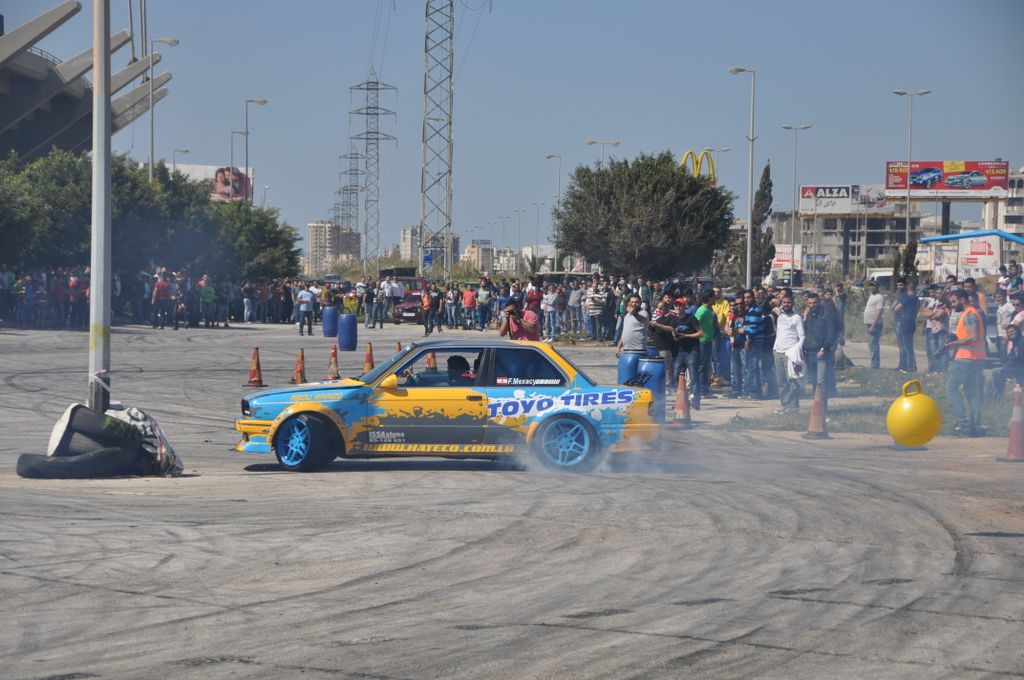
(721, 556)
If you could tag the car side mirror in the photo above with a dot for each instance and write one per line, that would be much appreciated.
(389, 383)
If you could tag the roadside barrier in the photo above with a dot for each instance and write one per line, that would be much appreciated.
(681, 418)
(299, 375)
(1015, 448)
(332, 364)
(255, 373)
(816, 428)
(368, 358)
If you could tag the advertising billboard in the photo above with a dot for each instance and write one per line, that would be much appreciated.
(947, 179)
(783, 256)
(978, 256)
(843, 200)
(938, 258)
(228, 183)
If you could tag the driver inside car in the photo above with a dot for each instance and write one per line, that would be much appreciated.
(459, 374)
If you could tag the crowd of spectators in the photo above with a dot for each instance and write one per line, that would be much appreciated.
(762, 343)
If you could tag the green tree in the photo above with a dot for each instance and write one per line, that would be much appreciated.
(762, 238)
(59, 234)
(648, 216)
(253, 243)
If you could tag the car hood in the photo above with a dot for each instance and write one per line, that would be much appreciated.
(343, 384)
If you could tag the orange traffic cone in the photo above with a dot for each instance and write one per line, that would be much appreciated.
(255, 373)
(332, 365)
(299, 375)
(816, 427)
(368, 359)
(1015, 449)
(681, 419)
(431, 362)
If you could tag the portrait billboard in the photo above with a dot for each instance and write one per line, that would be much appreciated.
(947, 179)
(843, 200)
(228, 183)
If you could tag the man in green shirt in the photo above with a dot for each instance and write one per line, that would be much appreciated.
(706, 317)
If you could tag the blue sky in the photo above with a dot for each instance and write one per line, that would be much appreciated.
(536, 77)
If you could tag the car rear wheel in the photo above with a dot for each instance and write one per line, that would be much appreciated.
(303, 443)
(567, 444)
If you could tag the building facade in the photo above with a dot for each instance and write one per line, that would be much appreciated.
(327, 245)
(1007, 214)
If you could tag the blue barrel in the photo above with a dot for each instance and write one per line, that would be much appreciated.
(347, 332)
(627, 364)
(329, 319)
(655, 368)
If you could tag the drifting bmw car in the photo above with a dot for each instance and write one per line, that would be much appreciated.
(488, 399)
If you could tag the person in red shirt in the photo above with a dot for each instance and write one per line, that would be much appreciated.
(517, 325)
(161, 301)
(468, 307)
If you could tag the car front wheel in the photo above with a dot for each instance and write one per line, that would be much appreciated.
(302, 443)
(567, 444)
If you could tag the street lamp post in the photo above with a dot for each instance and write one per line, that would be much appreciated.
(170, 42)
(796, 197)
(519, 237)
(174, 158)
(231, 165)
(910, 139)
(261, 102)
(558, 203)
(750, 171)
(536, 244)
(602, 142)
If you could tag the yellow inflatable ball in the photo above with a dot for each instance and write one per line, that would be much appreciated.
(914, 418)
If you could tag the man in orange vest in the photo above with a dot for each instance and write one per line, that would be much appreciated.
(966, 370)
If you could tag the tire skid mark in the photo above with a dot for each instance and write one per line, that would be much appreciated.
(901, 609)
(742, 642)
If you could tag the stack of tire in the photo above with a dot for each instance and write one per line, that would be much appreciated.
(87, 444)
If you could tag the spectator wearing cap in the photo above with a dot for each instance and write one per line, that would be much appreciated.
(687, 334)
(905, 317)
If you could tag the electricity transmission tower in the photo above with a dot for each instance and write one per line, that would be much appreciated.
(436, 175)
(350, 194)
(371, 138)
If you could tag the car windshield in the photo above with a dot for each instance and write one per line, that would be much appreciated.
(382, 368)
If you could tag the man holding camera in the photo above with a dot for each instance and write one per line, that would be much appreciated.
(518, 325)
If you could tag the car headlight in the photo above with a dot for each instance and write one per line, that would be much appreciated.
(245, 408)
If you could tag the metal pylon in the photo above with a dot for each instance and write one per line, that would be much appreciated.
(436, 175)
(371, 138)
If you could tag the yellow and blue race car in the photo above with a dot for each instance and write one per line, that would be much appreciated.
(446, 398)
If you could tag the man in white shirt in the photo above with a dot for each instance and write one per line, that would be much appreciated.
(1004, 315)
(873, 320)
(789, 344)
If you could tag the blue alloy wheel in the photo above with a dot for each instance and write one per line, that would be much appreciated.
(567, 444)
(301, 443)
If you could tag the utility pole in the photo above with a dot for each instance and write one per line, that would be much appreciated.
(98, 397)
(435, 229)
(371, 138)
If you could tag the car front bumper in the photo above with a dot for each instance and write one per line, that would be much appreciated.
(255, 436)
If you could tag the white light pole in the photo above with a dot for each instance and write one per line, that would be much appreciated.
(910, 139)
(796, 197)
(231, 165)
(750, 171)
(174, 158)
(170, 42)
(558, 203)
(98, 394)
(261, 102)
(536, 244)
(519, 236)
(602, 142)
